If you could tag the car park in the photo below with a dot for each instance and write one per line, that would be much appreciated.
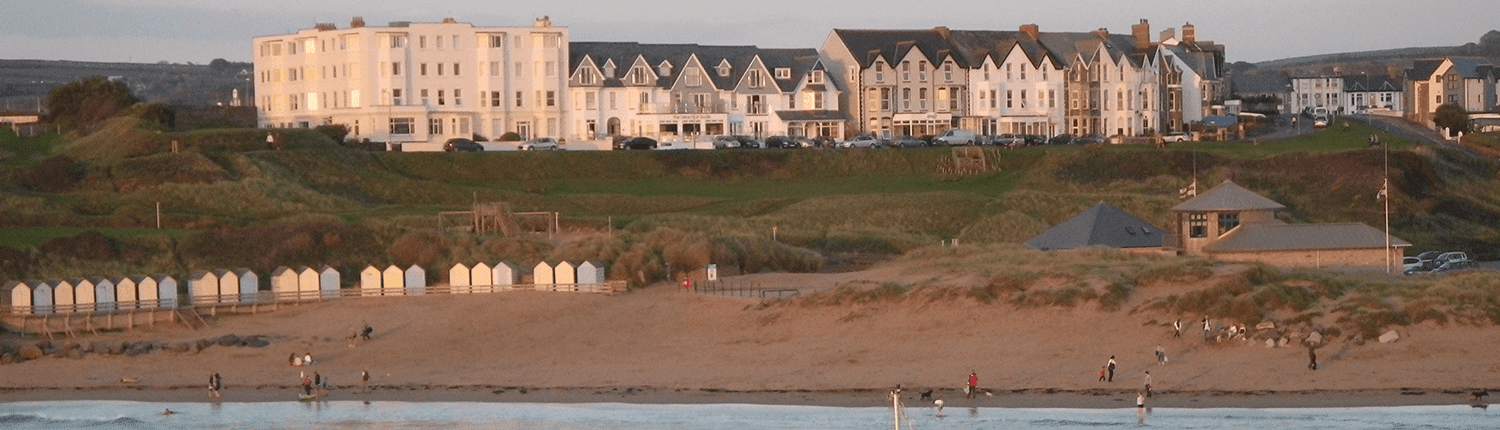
(638, 143)
(1437, 262)
(459, 144)
(1176, 137)
(864, 141)
(907, 142)
(542, 144)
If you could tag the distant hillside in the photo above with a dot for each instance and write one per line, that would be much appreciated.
(24, 82)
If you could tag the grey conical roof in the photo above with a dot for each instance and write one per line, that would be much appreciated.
(1228, 196)
(1100, 225)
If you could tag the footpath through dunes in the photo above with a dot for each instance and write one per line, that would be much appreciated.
(661, 339)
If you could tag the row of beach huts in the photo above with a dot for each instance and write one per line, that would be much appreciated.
(242, 286)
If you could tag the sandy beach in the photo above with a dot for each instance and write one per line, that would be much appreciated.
(661, 345)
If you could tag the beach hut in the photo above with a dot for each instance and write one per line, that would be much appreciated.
(42, 298)
(504, 275)
(565, 275)
(63, 296)
(307, 282)
(145, 290)
(203, 288)
(249, 291)
(17, 296)
(458, 278)
(392, 282)
(369, 282)
(416, 280)
(166, 291)
(126, 296)
(229, 286)
(481, 277)
(541, 276)
(284, 283)
(104, 294)
(83, 295)
(591, 275)
(329, 281)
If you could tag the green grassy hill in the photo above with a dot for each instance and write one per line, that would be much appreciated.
(227, 200)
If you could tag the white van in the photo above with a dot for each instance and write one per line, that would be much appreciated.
(956, 137)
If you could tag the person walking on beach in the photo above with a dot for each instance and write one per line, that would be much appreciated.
(1312, 358)
(1148, 383)
(1161, 356)
(1205, 328)
(364, 380)
(1111, 367)
(973, 384)
(1140, 402)
(1177, 328)
(1101, 372)
(214, 385)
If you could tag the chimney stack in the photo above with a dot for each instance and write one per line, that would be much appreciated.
(1167, 35)
(1031, 30)
(1103, 33)
(942, 31)
(1142, 33)
(357, 22)
(1189, 35)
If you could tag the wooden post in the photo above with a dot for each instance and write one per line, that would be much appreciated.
(158, 215)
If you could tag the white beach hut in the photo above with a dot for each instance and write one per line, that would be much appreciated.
(42, 298)
(17, 296)
(369, 282)
(104, 294)
(126, 298)
(591, 275)
(166, 291)
(329, 281)
(307, 283)
(393, 282)
(63, 296)
(541, 276)
(203, 288)
(504, 276)
(249, 291)
(458, 278)
(145, 290)
(481, 277)
(229, 286)
(83, 295)
(284, 283)
(565, 275)
(416, 280)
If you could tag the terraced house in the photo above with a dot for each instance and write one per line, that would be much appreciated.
(1467, 82)
(684, 91)
(415, 83)
(917, 82)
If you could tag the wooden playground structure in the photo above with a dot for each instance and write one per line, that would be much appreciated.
(496, 217)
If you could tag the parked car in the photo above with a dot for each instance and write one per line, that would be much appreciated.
(1176, 137)
(1035, 139)
(907, 142)
(542, 144)
(825, 142)
(863, 141)
(778, 142)
(1092, 139)
(750, 142)
(1455, 265)
(1410, 264)
(1009, 140)
(459, 144)
(1450, 256)
(638, 143)
(726, 142)
(1427, 259)
(1061, 139)
(802, 142)
(1320, 121)
(955, 137)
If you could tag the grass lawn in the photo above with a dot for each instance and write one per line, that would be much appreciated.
(25, 238)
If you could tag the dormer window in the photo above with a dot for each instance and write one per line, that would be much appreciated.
(783, 73)
(664, 69)
(723, 69)
(587, 77)
(640, 75)
(815, 77)
(609, 70)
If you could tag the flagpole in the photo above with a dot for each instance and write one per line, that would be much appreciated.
(1385, 188)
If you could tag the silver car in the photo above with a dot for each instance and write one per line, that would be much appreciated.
(542, 144)
(861, 142)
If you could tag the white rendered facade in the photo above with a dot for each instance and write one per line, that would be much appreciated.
(415, 82)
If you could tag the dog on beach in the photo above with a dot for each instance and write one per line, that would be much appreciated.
(1477, 395)
(927, 394)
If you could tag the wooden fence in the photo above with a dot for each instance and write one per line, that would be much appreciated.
(741, 289)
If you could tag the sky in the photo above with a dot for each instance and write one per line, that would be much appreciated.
(198, 31)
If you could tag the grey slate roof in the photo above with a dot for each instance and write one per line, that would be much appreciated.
(624, 54)
(1100, 225)
(1359, 83)
(1228, 196)
(1285, 237)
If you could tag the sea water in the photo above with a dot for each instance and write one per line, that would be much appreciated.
(618, 416)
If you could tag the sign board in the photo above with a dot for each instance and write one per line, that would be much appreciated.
(713, 272)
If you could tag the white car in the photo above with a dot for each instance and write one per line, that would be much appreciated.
(861, 142)
(1175, 137)
(543, 144)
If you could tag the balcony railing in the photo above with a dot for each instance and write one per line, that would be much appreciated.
(686, 107)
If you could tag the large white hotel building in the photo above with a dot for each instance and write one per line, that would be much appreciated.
(415, 82)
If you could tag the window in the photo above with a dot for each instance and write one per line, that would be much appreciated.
(587, 77)
(922, 71)
(948, 72)
(879, 72)
(551, 98)
(885, 99)
(494, 68)
(1023, 99)
(1198, 225)
(905, 71)
(723, 70)
(434, 125)
(398, 41)
(693, 79)
(395, 97)
(457, 97)
(1120, 99)
(906, 99)
(425, 101)
(1228, 221)
(815, 77)
(612, 103)
(396, 68)
(994, 98)
(401, 125)
(1023, 71)
(497, 41)
(422, 69)
(440, 69)
(1007, 72)
(551, 68)
(921, 99)
(455, 69)
(1009, 99)
(755, 79)
(494, 98)
(783, 73)
(519, 68)
(518, 99)
(638, 75)
(1051, 99)
(590, 101)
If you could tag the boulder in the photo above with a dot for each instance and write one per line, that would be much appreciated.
(228, 340)
(202, 345)
(139, 348)
(116, 348)
(75, 353)
(182, 347)
(1265, 325)
(257, 342)
(30, 352)
(1389, 337)
(1315, 338)
(9, 358)
(1270, 343)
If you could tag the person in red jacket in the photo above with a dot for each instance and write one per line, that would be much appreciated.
(973, 384)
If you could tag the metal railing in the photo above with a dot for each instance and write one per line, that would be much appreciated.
(741, 289)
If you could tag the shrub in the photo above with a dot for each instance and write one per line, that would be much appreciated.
(509, 136)
(335, 132)
(54, 175)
